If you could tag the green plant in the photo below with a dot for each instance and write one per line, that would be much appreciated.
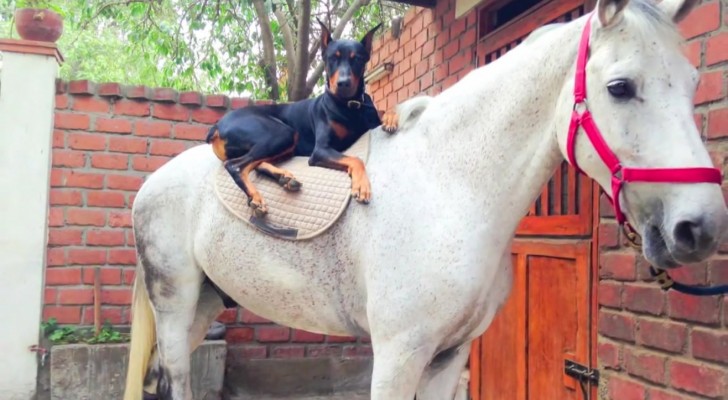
(66, 334)
(40, 4)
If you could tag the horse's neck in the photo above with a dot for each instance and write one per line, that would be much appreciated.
(492, 135)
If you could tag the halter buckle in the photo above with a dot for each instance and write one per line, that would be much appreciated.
(584, 102)
(633, 238)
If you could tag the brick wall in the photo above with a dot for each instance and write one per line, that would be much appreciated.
(671, 346)
(651, 345)
(107, 139)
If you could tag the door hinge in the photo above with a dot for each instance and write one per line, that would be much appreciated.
(581, 373)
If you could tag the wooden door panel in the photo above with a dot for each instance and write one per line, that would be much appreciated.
(545, 321)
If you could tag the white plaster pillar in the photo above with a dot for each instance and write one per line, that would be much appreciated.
(27, 101)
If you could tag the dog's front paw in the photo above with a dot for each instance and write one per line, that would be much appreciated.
(389, 122)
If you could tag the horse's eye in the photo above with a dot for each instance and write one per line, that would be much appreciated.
(621, 89)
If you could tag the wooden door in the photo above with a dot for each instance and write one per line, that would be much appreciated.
(549, 317)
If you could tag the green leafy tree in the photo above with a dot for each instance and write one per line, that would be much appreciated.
(263, 48)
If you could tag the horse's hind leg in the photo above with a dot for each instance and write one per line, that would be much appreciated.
(209, 307)
(441, 378)
(284, 177)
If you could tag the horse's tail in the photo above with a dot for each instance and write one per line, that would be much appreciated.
(409, 111)
(143, 337)
(211, 133)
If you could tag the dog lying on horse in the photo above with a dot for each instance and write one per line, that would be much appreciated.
(321, 128)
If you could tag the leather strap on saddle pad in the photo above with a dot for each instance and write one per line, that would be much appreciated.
(324, 195)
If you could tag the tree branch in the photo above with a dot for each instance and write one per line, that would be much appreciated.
(313, 79)
(301, 68)
(269, 57)
(287, 40)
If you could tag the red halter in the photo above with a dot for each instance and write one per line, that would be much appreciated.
(620, 174)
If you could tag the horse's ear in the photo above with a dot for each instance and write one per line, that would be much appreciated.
(369, 38)
(677, 9)
(609, 11)
(325, 35)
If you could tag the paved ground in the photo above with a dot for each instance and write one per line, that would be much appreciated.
(339, 396)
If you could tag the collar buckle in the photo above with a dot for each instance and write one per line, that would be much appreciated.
(353, 104)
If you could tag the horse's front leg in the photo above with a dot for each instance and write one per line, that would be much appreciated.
(398, 366)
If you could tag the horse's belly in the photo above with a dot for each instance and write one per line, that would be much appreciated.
(303, 285)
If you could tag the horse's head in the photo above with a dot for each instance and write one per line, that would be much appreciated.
(639, 90)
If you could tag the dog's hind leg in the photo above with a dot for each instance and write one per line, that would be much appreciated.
(284, 177)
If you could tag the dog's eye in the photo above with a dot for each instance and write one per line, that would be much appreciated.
(621, 89)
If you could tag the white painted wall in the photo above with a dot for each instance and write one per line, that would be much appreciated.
(27, 96)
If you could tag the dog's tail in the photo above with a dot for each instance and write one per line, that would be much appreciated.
(211, 133)
(409, 111)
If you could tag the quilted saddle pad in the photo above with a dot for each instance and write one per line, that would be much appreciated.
(324, 195)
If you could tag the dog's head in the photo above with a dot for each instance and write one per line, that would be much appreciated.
(345, 62)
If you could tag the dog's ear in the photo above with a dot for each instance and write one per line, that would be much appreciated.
(325, 35)
(369, 38)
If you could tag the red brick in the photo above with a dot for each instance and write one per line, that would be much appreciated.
(71, 121)
(55, 216)
(107, 276)
(697, 378)
(467, 40)
(86, 257)
(608, 354)
(113, 315)
(68, 158)
(128, 277)
(83, 141)
(113, 125)
(656, 394)
(110, 89)
(124, 182)
(239, 102)
(644, 299)
(152, 128)
(55, 257)
(90, 104)
(693, 308)
(718, 123)
(162, 147)
(60, 197)
(116, 296)
(248, 317)
(50, 295)
(300, 336)
(324, 351)
(190, 98)
(610, 294)
(623, 389)
(358, 351)
(63, 276)
(75, 296)
(127, 145)
(608, 235)
(190, 132)
(133, 108)
(64, 237)
(662, 335)
(120, 219)
(716, 49)
(138, 92)
(619, 266)
(164, 95)
(217, 101)
(460, 62)
(288, 351)
(84, 180)
(340, 339)
(710, 88)
(695, 274)
(81, 87)
(148, 164)
(239, 335)
(110, 161)
(709, 345)
(63, 315)
(122, 257)
(105, 237)
(702, 19)
(718, 271)
(207, 115)
(130, 238)
(229, 316)
(649, 366)
(61, 101)
(172, 112)
(692, 52)
(105, 199)
(82, 216)
(267, 334)
(59, 139)
(616, 326)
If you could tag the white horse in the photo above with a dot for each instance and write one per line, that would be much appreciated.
(424, 268)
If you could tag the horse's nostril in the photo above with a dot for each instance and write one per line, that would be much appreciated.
(688, 234)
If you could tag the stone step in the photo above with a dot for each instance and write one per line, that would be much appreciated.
(337, 396)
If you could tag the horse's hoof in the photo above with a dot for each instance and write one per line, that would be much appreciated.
(290, 184)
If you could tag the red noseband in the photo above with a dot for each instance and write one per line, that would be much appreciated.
(620, 174)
